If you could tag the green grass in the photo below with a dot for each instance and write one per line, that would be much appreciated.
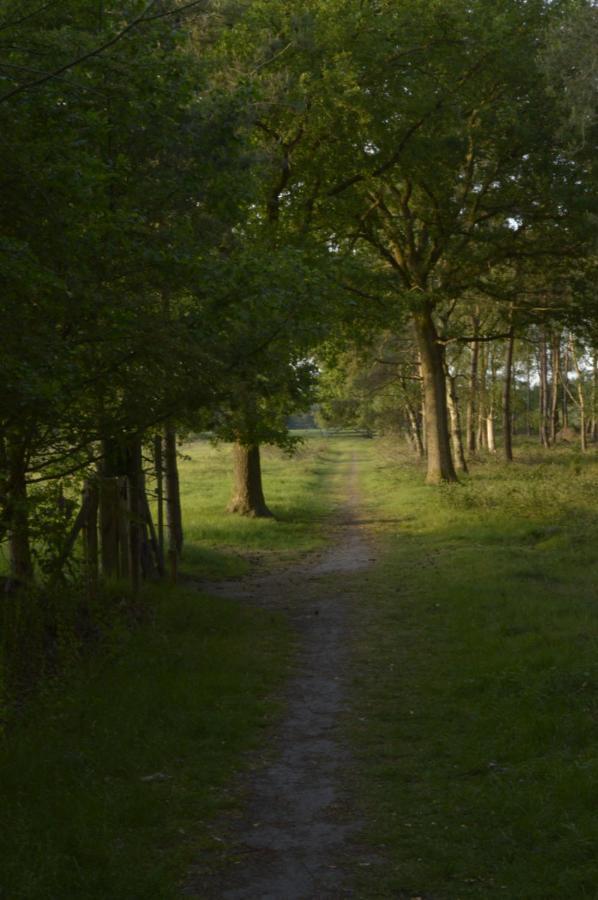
(475, 686)
(179, 699)
(111, 775)
(478, 681)
(297, 490)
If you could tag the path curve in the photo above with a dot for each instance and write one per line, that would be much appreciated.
(300, 827)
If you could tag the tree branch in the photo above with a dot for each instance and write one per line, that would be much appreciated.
(141, 19)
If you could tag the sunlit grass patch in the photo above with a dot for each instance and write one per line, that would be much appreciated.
(299, 491)
(479, 683)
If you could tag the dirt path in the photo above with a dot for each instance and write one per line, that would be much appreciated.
(300, 827)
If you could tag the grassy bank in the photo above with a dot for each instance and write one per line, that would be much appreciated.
(110, 777)
(478, 681)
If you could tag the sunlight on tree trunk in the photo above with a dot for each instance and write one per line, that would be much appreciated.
(248, 498)
(440, 462)
(455, 420)
(506, 405)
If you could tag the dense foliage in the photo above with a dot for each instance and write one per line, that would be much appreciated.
(208, 208)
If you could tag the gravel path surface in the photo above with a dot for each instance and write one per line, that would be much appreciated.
(300, 827)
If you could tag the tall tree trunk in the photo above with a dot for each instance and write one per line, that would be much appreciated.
(594, 419)
(21, 563)
(543, 391)
(473, 389)
(455, 422)
(440, 462)
(113, 514)
(173, 494)
(581, 399)
(528, 399)
(506, 404)
(136, 512)
(422, 406)
(490, 432)
(415, 422)
(109, 491)
(248, 494)
(482, 401)
(415, 431)
(490, 401)
(159, 471)
(565, 380)
(555, 359)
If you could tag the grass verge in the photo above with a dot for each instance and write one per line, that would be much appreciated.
(478, 682)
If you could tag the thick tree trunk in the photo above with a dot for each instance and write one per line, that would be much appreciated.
(173, 495)
(109, 490)
(248, 497)
(440, 462)
(21, 563)
(506, 404)
(455, 422)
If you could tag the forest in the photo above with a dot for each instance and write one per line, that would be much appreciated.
(298, 438)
